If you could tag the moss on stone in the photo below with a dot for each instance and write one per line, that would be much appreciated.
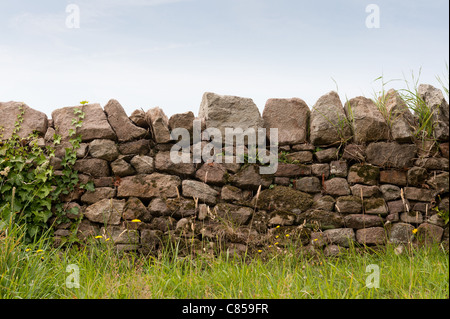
(368, 172)
(285, 198)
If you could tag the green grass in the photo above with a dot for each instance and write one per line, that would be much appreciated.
(271, 273)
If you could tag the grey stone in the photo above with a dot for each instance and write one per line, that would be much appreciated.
(337, 186)
(159, 124)
(349, 204)
(401, 119)
(120, 167)
(106, 211)
(149, 186)
(390, 192)
(199, 190)
(435, 100)
(308, 184)
(401, 233)
(91, 197)
(359, 221)
(104, 149)
(143, 164)
(371, 236)
(340, 236)
(391, 154)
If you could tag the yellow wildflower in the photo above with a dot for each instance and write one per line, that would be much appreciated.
(415, 230)
(260, 251)
(287, 235)
(98, 237)
(316, 239)
(278, 226)
(276, 243)
(277, 236)
(106, 239)
(28, 249)
(135, 221)
(39, 251)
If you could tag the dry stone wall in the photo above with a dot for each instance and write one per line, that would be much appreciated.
(345, 175)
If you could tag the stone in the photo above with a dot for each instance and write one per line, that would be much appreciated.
(106, 211)
(158, 207)
(159, 124)
(95, 124)
(135, 209)
(121, 124)
(411, 217)
(212, 173)
(281, 218)
(397, 206)
(375, 206)
(419, 194)
(32, 120)
(333, 251)
(163, 163)
(120, 167)
(439, 182)
(354, 152)
(329, 124)
(416, 176)
(226, 111)
(393, 176)
(73, 210)
(318, 239)
(349, 204)
(359, 221)
(121, 235)
(320, 170)
(249, 178)
(337, 186)
(368, 124)
(290, 117)
(321, 219)
(327, 155)
(237, 215)
(437, 104)
(302, 147)
(363, 174)
(182, 120)
(365, 190)
(338, 168)
(323, 202)
(199, 190)
(340, 236)
(300, 157)
(87, 229)
(104, 149)
(283, 198)
(149, 186)
(429, 233)
(391, 154)
(143, 164)
(150, 240)
(138, 118)
(139, 147)
(401, 119)
(231, 193)
(436, 220)
(99, 193)
(292, 170)
(433, 163)
(444, 148)
(308, 184)
(94, 167)
(401, 233)
(390, 192)
(371, 236)
(181, 207)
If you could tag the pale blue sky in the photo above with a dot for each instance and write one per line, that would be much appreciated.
(167, 53)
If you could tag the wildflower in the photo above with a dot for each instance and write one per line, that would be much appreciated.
(287, 235)
(28, 249)
(135, 221)
(106, 239)
(39, 251)
(316, 239)
(415, 230)
(42, 258)
(277, 236)
(276, 243)
(260, 251)
(278, 226)
(98, 237)
(270, 246)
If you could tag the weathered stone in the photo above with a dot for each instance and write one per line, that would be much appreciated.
(199, 190)
(340, 236)
(338, 168)
(150, 240)
(302, 147)
(32, 120)
(95, 124)
(321, 219)
(323, 202)
(318, 239)
(429, 233)
(164, 163)
(395, 177)
(91, 197)
(391, 154)
(231, 193)
(138, 118)
(439, 182)
(401, 233)
(417, 176)
(300, 157)
(437, 104)
(337, 186)
(135, 209)
(327, 155)
(106, 211)
(433, 163)
(308, 184)
(121, 235)
(419, 194)
(73, 210)
(281, 218)
(444, 148)
(363, 174)
(87, 229)
(225, 111)
(397, 206)
(149, 186)
(292, 170)
(139, 147)
(354, 152)
(104, 149)
(290, 117)
(401, 118)
(390, 192)
(329, 124)
(371, 236)
(158, 207)
(422, 207)
(143, 164)
(320, 170)
(411, 217)
(368, 123)
(181, 207)
(236, 214)
(212, 173)
(392, 218)
(182, 120)
(93, 167)
(159, 124)
(121, 124)
(284, 198)
(375, 206)
(436, 220)
(349, 204)
(120, 167)
(249, 178)
(365, 191)
(333, 251)
(358, 221)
